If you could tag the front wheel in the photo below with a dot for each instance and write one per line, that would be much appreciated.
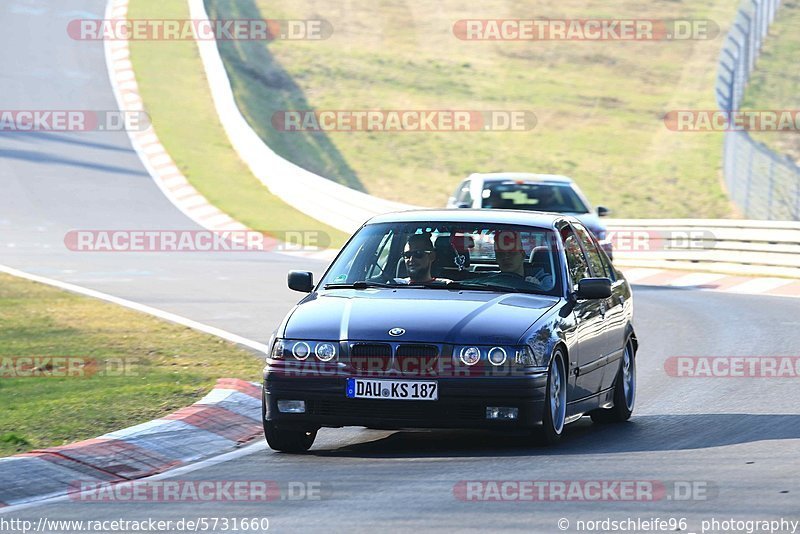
(555, 408)
(288, 439)
(624, 391)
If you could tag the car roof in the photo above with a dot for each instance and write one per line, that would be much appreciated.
(525, 176)
(480, 216)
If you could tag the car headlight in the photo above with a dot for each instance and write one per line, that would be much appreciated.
(301, 350)
(469, 355)
(497, 356)
(324, 351)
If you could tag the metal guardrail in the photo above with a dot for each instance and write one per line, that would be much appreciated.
(745, 247)
(764, 185)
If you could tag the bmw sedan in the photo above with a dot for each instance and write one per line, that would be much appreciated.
(480, 319)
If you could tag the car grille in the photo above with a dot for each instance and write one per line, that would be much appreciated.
(395, 410)
(417, 359)
(375, 357)
(409, 358)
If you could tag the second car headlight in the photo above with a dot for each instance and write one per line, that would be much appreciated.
(324, 351)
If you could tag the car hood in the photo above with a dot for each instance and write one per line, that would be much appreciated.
(427, 315)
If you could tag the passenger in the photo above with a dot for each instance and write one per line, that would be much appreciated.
(510, 256)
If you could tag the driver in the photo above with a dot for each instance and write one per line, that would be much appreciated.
(419, 255)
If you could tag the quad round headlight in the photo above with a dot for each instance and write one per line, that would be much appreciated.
(497, 356)
(301, 350)
(325, 352)
(470, 355)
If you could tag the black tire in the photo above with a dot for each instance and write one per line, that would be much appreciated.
(555, 406)
(288, 439)
(624, 390)
(285, 439)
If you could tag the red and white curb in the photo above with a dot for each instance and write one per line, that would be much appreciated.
(226, 418)
(166, 174)
(742, 285)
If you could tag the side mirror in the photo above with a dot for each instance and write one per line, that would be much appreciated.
(602, 211)
(594, 288)
(302, 281)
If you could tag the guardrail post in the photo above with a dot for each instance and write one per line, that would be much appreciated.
(747, 188)
(770, 187)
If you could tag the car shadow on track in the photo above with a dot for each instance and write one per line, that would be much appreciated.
(641, 433)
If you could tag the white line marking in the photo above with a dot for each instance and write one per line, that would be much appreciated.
(161, 314)
(697, 279)
(758, 286)
(632, 275)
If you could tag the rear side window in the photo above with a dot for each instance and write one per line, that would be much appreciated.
(463, 196)
(598, 266)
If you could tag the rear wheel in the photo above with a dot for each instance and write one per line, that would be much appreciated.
(555, 408)
(624, 390)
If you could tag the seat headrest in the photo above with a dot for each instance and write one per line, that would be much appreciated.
(540, 255)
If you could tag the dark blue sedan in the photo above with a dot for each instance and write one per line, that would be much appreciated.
(501, 320)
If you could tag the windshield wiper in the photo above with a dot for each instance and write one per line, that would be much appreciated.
(491, 287)
(361, 284)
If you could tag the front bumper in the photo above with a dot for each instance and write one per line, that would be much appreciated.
(462, 403)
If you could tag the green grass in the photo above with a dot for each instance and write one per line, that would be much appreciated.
(775, 81)
(169, 366)
(176, 95)
(599, 104)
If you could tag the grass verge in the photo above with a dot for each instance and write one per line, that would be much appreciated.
(173, 85)
(152, 368)
(599, 104)
(774, 83)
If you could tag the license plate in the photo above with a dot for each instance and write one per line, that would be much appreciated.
(364, 388)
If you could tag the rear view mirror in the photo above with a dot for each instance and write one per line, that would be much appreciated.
(594, 288)
(302, 281)
(602, 211)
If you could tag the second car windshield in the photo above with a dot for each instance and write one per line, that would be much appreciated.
(502, 258)
(560, 198)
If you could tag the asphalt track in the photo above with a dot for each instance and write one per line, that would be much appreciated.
(737, 439)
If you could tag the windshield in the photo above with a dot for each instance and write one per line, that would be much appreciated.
(511, 195)
(463, 256)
